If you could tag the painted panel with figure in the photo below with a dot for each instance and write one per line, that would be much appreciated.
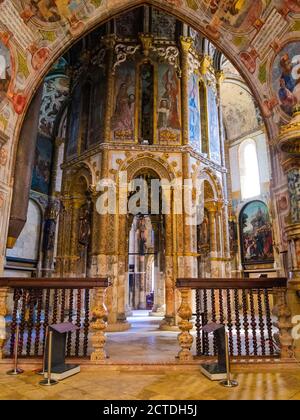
(5, 70)
(256, 234)
(286, 77)
(42, 166)
(194, 113)
(168, 118)
(214, 129)
(123, 119)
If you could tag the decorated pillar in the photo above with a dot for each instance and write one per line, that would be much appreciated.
(289, 143)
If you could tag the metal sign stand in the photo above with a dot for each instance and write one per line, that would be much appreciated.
(228, 383)
(49, 381)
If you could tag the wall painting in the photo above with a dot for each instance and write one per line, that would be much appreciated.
(194, 113)
(213, 126)
(123, 119)
(168, 112)
(256, 234)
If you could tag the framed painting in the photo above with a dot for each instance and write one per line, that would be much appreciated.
(256, 234)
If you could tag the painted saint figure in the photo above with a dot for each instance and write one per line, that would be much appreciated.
(124, 109)
(170, 95)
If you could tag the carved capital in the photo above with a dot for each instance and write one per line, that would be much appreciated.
(147, 42)
(186, 44)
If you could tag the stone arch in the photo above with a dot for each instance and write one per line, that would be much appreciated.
(75, 178)
(207, 175)
(147, 161)
(112, 9)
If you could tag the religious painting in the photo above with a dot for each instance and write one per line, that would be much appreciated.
(256, 234)
(5, 70)
(240, 15)
(54, 11)
(194, 113)
(42, 165)
(123, 119)
(168, 105)
(56, 91)
(213, 125)
(74, 122)
(286, 77)
(98, 109)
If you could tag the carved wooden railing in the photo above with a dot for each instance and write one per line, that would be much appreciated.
(34, 304)
(254, 311)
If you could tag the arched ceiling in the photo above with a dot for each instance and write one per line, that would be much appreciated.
(258, 36)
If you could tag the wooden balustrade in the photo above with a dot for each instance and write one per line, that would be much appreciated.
(34, 304)
(254, 311)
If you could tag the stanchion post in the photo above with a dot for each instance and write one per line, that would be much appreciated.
(42, 371)
(16, 371)
(228, 383)
(49, 381)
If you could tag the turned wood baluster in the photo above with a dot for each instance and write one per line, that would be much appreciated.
(229, 322)
(86, 325)
(22, 320)
(253, 323)
(99, 326)
(198, 323)
(246, 322)
(185, 338)
(30, 323)
(78, 322)
(205, 321)
(261, 323)
(70, 319)
(237, 322)
(269, 321)
(214, 319)
(63, 305)
(46, 316)
(55, 307)
(14, 321)
(38, 322)
(221, 304)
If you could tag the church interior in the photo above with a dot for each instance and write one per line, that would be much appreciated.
(149, 198)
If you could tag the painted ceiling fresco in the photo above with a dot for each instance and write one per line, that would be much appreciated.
(261, 37)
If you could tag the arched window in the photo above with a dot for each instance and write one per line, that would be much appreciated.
(27, 246)
(249, 170)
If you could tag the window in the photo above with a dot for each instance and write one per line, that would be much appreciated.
(249, 171)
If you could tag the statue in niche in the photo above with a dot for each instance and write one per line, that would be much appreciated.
(204, 241)
(142, 230)
(85, 224)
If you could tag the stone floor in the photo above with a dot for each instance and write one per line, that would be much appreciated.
(152, 385)
(151, 378)
(143, 342)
